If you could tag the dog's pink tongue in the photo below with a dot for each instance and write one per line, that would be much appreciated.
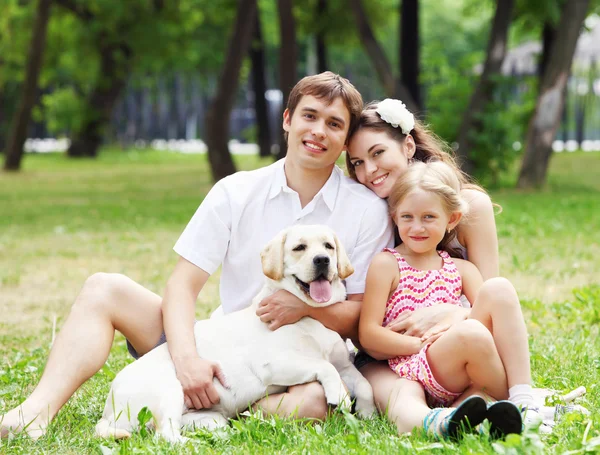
(320, 290)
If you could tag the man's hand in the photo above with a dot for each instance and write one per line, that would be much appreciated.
(280, 309)
(429, 321)
(196, 377)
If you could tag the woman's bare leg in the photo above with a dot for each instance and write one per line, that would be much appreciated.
(107, 302)
(498, 308)
(401, 400)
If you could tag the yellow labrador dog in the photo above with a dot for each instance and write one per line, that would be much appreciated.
(307, 261)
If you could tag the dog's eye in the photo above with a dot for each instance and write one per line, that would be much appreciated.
(329, 246)
(300, 247)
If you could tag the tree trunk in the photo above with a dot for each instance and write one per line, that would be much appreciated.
(410, 49)
(484, 90)
(288, 58)
(2, 116)
(115, 62)
(546, 118)
(18, 131)
(548, 39)
(259, 88)
(580, 106)
(321, 47)
(392, 87)
(217, 117)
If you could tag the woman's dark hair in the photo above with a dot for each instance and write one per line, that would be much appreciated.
(429, 147)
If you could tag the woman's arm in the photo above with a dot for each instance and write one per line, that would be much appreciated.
(471, 278)
(478, 234)
(382, 278)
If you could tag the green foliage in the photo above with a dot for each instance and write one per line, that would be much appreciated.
(449, 85)
(455, 46)
(530, 16)
(503, 126)
(186, 36)
(144, 418)
(63, 110)
(15, 18)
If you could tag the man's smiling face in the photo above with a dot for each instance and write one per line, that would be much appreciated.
(316, 132)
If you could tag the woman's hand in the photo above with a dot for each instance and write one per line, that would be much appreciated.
(427, 322)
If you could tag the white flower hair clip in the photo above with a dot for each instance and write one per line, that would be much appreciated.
(395, 113)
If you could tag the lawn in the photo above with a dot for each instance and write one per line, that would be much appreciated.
(63, 220)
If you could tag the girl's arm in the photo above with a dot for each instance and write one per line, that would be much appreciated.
(478, 234)
(377, 340)
(471, 279)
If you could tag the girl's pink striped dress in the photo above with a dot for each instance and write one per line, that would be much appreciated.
(419, 289)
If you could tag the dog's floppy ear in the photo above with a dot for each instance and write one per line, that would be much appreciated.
(272, 257)
(345, 269)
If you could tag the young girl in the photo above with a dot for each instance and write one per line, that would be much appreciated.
(426, 205)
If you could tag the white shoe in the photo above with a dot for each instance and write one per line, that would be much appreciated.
(532, 418)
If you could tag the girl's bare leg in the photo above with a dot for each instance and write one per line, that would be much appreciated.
(466, 354)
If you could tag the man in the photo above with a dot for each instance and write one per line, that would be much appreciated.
(237, 218)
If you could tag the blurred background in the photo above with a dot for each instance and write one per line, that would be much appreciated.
(506, 82)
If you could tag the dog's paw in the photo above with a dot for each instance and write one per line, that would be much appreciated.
(172, 436)
(366, 409)
(344, 403)
(208, 420)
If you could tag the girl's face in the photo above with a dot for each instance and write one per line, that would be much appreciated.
(379, 160)
(422, 221)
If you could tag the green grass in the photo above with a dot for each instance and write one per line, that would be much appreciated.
(62, 220)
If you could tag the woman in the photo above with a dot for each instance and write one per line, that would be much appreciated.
(382, 146)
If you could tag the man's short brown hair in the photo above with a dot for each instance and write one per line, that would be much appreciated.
(328, 86)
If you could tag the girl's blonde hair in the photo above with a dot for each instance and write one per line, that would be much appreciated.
(438, 178)
(429, 147)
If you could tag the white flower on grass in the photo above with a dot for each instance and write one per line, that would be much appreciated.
(395, 113)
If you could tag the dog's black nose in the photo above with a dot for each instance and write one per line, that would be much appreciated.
(321, 262)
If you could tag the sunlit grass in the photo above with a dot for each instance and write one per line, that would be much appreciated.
(62, 220)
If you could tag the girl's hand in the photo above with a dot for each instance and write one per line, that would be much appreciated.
(430, 339)
(428, 321)
(433, 334)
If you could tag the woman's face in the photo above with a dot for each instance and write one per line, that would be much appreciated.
(379, 160)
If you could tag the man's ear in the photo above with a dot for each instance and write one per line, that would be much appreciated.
(453, 221)
(287, 120)
(345, 269)
(272, 257)
(411, 147)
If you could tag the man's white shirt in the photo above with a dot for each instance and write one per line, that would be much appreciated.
(244, 211)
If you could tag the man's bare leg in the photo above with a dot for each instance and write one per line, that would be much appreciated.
(304, 401)
(107, 302)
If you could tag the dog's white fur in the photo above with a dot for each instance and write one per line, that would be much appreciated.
(255, 360)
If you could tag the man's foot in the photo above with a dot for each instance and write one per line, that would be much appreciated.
(450, 423)
(24, 419)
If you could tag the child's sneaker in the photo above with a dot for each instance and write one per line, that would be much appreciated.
(505, 418)
(448, 423)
